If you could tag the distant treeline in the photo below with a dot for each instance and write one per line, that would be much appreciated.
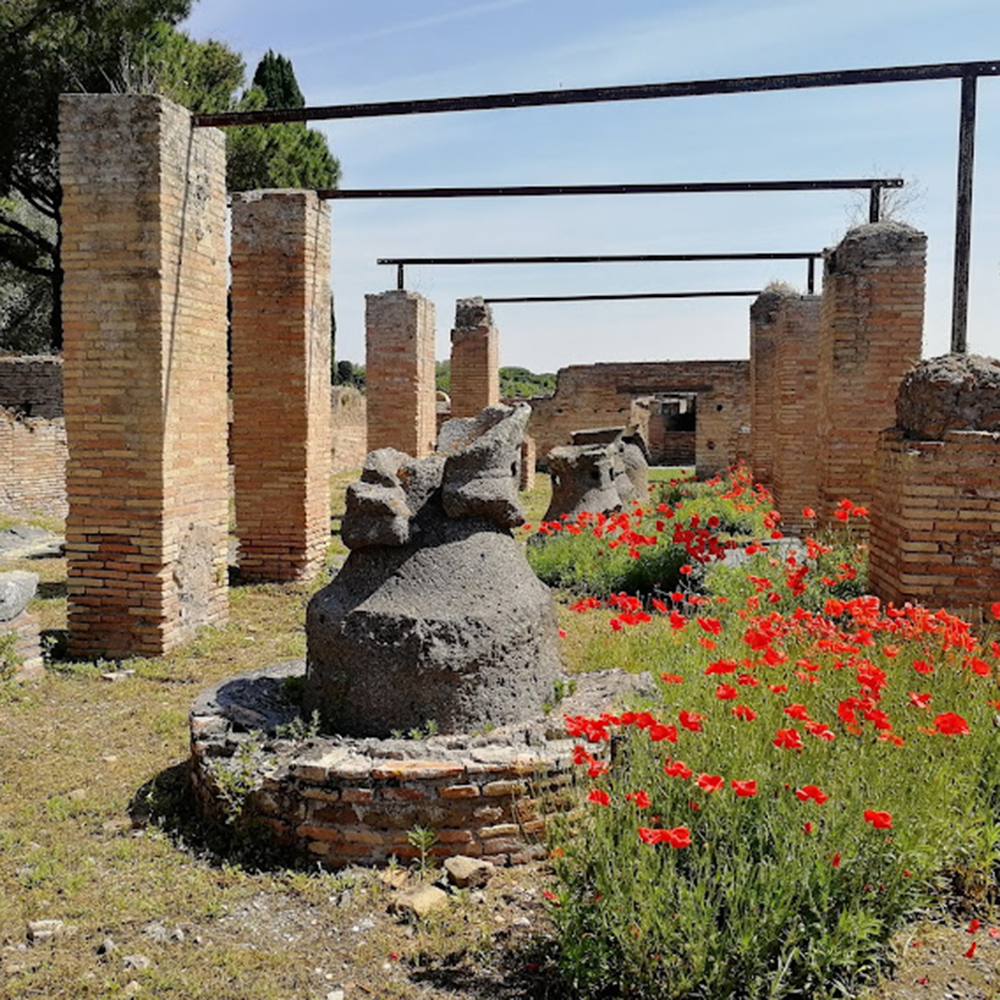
(515, 383)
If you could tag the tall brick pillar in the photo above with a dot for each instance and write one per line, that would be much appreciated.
(871, 325)
(281, 382)
(763, 320)
(796, 342)
(475, 359)
(399, 372)
(144, 323)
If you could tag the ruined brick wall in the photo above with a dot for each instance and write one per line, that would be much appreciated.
(871, 327)
(281, 441)
(399, 372)
(602, 395)
(32, 465)
(475, 359)
(144, 320)
(794, 392)
(935, 521)
(349, 429)
(763, 404)
(31, 384)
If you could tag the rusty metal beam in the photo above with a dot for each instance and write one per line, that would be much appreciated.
(623, 296)
(596, 95)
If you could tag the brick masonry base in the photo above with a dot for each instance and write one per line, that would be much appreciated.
(935, 521)
(336, 801)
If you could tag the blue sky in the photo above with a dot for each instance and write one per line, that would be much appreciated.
(344, 52)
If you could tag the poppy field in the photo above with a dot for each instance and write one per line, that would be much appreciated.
(814, 770)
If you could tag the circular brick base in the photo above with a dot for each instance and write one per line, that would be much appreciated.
(339, 801)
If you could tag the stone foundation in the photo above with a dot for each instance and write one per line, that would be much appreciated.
(27, 645)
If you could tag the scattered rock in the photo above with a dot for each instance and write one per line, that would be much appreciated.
(45, 930)
(420, 902)
(335, 995)
(131, 988)
(107, 946)
(156, 932)
(16, 589)
(464, 872)
(395, 878)
(136, 963)
(77, 794)
(112, 676)
(363, 925)
(520, 922)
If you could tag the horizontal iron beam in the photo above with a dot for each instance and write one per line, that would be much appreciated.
(549, 190)
(595, 95)
(605, 258)
(750, 293)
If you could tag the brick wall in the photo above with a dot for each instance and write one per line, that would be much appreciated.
(763, 405)
(31, 384)
(281, 439)
(602, 395)
(794, 391)
(349, 430)
(144, 320)
(399, 372)
(871, 325)
(935, 521)
(32, 465)
(475, 359)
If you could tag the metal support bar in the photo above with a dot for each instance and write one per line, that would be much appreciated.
(963, 216)
(749, 293)
(811, 276)
(549, 190)
(874, 203)
(594, 95)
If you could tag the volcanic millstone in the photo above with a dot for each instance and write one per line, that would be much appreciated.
(438, 618)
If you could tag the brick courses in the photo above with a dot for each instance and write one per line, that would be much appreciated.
(281, 382)
(935, 521)
(475, 359)
(871, 325)
(31, 385)
(614, 394)
(144, 320)
(763, 403)
(32, 465)
(794, 391)
(399, 372)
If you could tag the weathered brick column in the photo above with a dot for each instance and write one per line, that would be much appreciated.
(870, 334)
(281, 382)
(935, 514)
(763, 322)
(399, 372)
(144, 321)
(794, 392)
(475, 359)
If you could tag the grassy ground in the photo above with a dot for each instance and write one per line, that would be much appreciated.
(148, 909)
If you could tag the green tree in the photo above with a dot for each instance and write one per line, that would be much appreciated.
(275, 76)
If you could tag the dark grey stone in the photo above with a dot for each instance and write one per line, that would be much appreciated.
(375, 515)
(481, 477)
(582, 479)
(17, 588)
(951, 392)
(472, 313)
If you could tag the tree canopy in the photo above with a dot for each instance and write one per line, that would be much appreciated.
(49, 47)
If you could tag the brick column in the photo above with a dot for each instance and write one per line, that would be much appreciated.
(529, 456)
(399, 372)
(281, 382)
(475, 359)
(796, 342)
(144, 322)
(763, 319)
(871, 325)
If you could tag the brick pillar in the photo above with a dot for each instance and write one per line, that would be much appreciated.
(281, 382)
(475, 359)
(794, 389)
(399, 372)
(529, 456)
(763, 319)
(871, 325)
(144, 322)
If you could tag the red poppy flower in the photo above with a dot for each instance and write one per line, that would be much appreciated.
(658, 732)
(691, 720)
(677, 769)
(807, 792)
(708, 643)
(971, 952)
(922, 667)
(836, 861)
(921, 700)
(671, 678)
(807, 829)
(797, 712)
(726, 692)
(721, 667)
(995, 609)
(649, 836)
(640, 798)
(712, 625)
(841, 515)
(686, 569)
(974, 926)
(709, 782)
(778, 688)
(979, 666)
(744, 712)
(951, 724)
(788, 739)
(808, 512)
(744, 789)
(679, 836)
(879, 820)
(599, 797)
